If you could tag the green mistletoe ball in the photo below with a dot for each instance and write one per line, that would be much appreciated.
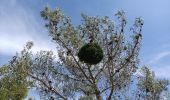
(90, 53)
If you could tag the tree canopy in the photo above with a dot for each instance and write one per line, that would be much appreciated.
(149, 87)
(96, 61)
(13, 84)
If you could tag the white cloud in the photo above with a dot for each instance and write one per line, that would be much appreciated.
(17, 26)
(162, 71)
(158, 57)
(156, 63)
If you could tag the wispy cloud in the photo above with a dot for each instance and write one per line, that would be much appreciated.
(159, 63)
(19, 25)
(162, 71)
(158, 57)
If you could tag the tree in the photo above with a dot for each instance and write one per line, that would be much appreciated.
(150, 88)
(71, 76)
(95, 62)
(13, 85)
(120, 56)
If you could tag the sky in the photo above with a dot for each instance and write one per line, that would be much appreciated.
(20, 21)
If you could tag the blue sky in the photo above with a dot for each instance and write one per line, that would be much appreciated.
(20, 22)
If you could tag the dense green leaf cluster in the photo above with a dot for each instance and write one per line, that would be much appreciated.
(91, 53)
(12, 85)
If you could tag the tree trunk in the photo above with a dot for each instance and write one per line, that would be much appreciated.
(97, 93)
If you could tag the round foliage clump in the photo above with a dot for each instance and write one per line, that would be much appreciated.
(91, 53)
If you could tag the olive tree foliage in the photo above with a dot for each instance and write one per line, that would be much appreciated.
(13, 83)
(69, 78)
(120, 59)
(151, 88)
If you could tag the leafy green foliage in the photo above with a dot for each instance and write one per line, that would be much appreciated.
(12, 89)
(13, 82)
(149, 87)
(91, 53)
(12, 85)
(70, 76)
(77, 72)
(77, 57)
